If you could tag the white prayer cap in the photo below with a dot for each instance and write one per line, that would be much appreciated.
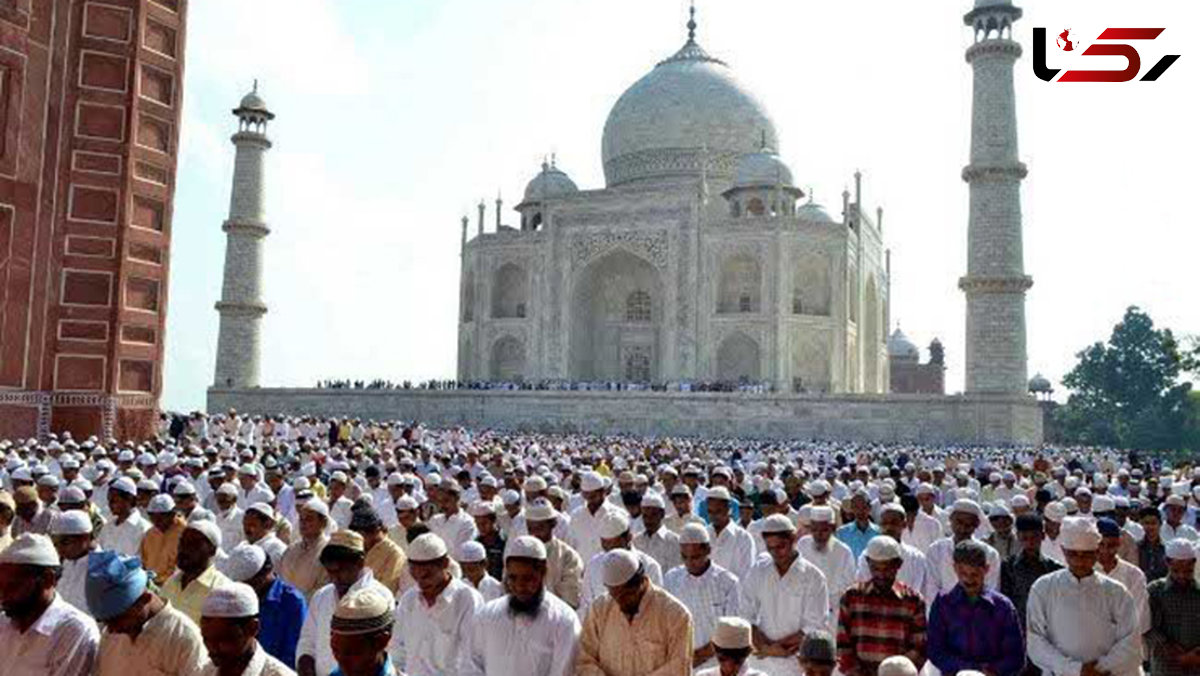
(488, 480)
(1103, 503)
(620, 565)
(1180, 549)
(999, 509)
(248, 469)
(510, 497)
(898, 665)
(427, 547)
(822, 514)
(470, 552)
(395, 479)
(301, 483)
(926, 489)
(540, 510)
(450, 485)
(228, 489)
(1122, 502)
(694, 534)
(483, 508)
(732, 633)
(124, 485)
(966, 506)
(147, 485)
(536, 484)
(883, 548)
(970, 672)
(525, 547)
(183, 488)
(652, 499)
(316, 505)
(891, 508)
(263, 509)
(208, 529)
(591, 481)
(1079, 534)
(719, 493)
(1176, 500)
(681, 489)
(244, 562)
(778, 523)
(74, 522)
(71, 495)
(31, 549)
(161, 504)
(406, 502)
(1019, 501)
(339, 476)
(234, 600)
(1056, 512)
(614, 524)
(48, 480)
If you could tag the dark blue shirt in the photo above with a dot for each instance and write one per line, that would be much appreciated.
(984, 633)
(280, 616)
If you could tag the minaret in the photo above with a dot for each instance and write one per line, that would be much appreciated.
(995, 283)
(241, 307)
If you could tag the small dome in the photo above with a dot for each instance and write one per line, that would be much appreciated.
(253, 101)
(814, 212)
(551, 182)
(899, 345)
(762, 169)
(1039, 383)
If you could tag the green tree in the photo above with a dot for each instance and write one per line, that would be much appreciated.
(1127, 392)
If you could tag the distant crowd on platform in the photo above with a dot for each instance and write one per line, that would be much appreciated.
(553, 384)
(236, 545)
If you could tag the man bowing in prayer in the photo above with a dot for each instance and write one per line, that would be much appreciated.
(229, 624)
(431, 618)
(529, 632)
(197, 576)
(40, 633)
(637, 629)
(1081, 622)
(143, 635)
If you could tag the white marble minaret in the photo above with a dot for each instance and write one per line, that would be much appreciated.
(995, 283)
(241, 307)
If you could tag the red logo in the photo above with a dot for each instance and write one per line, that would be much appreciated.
(1068, 42)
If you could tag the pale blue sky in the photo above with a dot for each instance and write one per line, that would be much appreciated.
(396, 116)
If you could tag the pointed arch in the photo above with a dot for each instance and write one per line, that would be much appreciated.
(739, 358)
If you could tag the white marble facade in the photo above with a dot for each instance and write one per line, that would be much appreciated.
(701, 260)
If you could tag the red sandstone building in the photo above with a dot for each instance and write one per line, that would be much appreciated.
(90, 102)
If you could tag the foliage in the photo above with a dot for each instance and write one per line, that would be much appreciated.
(1128, 392)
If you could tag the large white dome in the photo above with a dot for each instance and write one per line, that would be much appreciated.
(690, 107)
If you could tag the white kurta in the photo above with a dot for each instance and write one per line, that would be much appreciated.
(733, 549)
(1072, 621)
(62, 642)
(261, 664)
(836, 562)
(1134, 581)
(782, 605)
(314, 635)
(427, 640)
(709, 596)
(124, 538)
(454, 530)
(230, 523)
(499, 644)
(71, 584)
(914, 573)
(940, 559)
(925, 531)
(585, 530)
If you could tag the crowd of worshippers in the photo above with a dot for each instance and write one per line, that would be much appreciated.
(559, 384)
(421, 552)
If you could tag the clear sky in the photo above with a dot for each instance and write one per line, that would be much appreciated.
(396, 117)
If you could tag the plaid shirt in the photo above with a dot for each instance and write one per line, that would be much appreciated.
(1174, 620)
(874, 625)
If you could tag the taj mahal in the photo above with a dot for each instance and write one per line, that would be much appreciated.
(702, 259)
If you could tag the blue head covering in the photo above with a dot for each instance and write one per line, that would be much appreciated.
(114, 583)
(1108, 528)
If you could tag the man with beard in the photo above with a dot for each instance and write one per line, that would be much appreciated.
(431, 618)
(40, 632)
(197, 576)
(707, 590)
(733, 547)
(229, 623)
(344, 562)
(160, 545)
(656, 540)
(636, 628)
(586, 519)
(528, 632)
(829, 554)
(72, 534)
(564, 568)
(123, 533)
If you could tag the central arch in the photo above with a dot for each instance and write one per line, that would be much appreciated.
(616, 319)
(508, 360)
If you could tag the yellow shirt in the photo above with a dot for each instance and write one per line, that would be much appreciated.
(190, 600)
(658, 642)
(301, 566)
(159, 550)
(386, 561)
(167, 644)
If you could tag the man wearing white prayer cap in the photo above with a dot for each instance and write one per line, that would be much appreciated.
(732, 640)
(197, 574)
(614, 534)
(406, 515)
(707, 590)
(733, 547)
(40, 633)
(656, 539)
(585, 519)
(229, 622)
(431, 617)
(73, 538)
(282, 607)
(159, 550)
(300, 565)
(360, 631)
(529, 632)
(637, 628)
(564, 567)
(965, 519)
(898, 665)
(784, 597)
(1080, 621)
(124, 531)
(1173, 640)
(827, 553)
(472, 558)
(1053, 516)
(872, 640)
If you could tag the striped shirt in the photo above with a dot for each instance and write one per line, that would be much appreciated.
(874, 625)
(709, 596)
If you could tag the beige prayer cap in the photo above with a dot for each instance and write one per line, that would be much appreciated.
(1180, 549)
(732, 633)
(620, 566)
(6, 499)
(694, 534)
(1079, 534)
(362, 611)
(525, 547)
(427, 547)
(613, 525)
(776, 524)
(540, 510)
(347, 539)
(897, 666)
